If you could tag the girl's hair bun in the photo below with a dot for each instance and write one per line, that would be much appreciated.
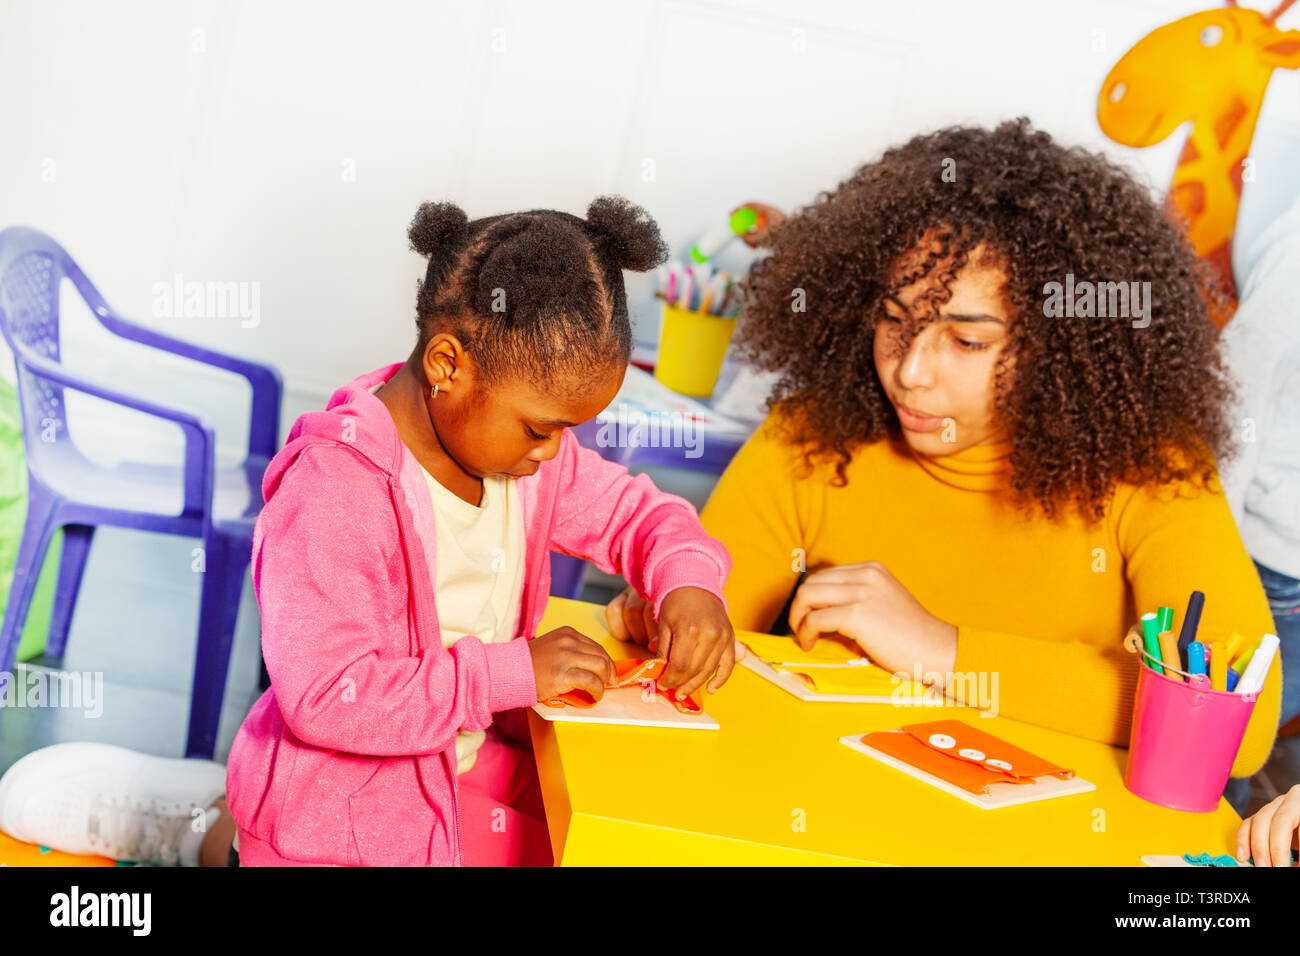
(536, 260)
(436, 224)
(631, 236)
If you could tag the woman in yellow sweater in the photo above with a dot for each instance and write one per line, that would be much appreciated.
(980, 464)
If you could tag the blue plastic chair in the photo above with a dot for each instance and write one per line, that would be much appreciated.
(66, 489)
(567, 571)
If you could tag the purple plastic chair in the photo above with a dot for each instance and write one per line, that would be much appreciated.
(67, 490)
(567, 571)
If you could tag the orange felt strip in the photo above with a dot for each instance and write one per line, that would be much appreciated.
(961, 773)
(628, 673)
(963, 742)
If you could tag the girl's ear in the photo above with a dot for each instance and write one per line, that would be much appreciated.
(445, 361)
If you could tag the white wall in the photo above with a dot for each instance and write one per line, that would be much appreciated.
(288, 143)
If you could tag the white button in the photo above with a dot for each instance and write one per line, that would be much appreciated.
(942, 741)
(1000, 764)
(970, 754)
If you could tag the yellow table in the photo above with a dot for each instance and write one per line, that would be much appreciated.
(775, 786)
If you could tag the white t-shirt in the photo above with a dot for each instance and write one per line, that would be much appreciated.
(479, 573)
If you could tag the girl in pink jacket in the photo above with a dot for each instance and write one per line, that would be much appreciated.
(401, 559)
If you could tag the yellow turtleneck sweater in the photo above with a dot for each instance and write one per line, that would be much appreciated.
(1044, 604)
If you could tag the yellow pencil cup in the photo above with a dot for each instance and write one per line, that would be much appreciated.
(692, 346)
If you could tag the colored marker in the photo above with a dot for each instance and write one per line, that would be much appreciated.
(699, 279)
(1233, 677)
(1151, 639)
(1165, 618)
(1252, 682)
(1196, 663)
(684, 288)
(726, 296)
(743, 219)
(670, 288)
(1169, 654)
(713, 293)
(1234, 641)
(1191, 621)
(1242, 657)
(1218, 666)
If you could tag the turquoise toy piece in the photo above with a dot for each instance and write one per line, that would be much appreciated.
(1204, 859)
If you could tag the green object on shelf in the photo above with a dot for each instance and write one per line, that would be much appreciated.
(13, 514)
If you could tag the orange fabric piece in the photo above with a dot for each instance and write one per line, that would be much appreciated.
(962, 755)
(961, 773)
(955, 738)
(629, 673)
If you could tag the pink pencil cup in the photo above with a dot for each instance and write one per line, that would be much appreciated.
(1184, 740)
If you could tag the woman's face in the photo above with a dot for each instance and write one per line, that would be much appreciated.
(941, 383)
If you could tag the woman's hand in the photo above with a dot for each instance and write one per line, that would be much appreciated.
(1270, 834)
(867, 604)
(564, 660)
(758, 235)
(693, 632)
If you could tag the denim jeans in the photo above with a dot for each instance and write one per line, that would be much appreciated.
(1284, 602)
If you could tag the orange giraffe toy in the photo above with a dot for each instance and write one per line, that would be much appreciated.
(1213, 68)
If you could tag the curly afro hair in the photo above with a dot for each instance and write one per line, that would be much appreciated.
(533, 294)
(1086, 402)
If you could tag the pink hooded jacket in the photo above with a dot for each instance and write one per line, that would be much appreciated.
(349, 757)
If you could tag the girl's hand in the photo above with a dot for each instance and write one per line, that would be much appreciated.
(564, 660)
(693, 632)
(696, 637)
(631, 618)
(1270, 834)
(758, 236)
(867, 604)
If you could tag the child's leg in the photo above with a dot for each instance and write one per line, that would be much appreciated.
(502, 818)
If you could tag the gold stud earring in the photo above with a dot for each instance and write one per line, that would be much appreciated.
(435, 390)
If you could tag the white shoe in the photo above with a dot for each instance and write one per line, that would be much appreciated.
(98, 799)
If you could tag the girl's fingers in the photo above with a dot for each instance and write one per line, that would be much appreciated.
(579, 678)
(614, 616)
(589, 654)
(596, 662)
(704, 660)
(649, 626)
(634, 621)
(681, 657)
(726, 664)
(630, 618)
(662, 642)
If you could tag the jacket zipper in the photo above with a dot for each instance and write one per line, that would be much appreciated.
(416, 602)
